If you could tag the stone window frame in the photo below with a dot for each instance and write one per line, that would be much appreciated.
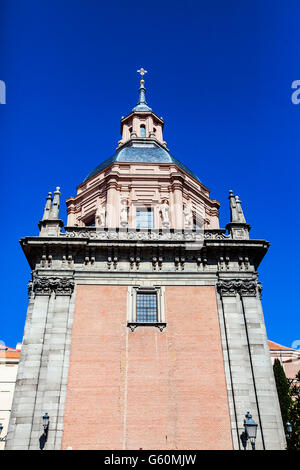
(132, 322)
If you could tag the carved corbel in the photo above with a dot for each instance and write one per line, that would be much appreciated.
(43, 261)
(109, 258)
(221, 263)
(131, 262)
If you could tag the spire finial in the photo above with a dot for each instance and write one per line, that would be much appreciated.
(55, 206)
(142, 72)
(142, 103)
(48, 206)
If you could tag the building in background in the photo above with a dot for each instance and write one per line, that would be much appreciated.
(9, 361)
(289, 358)
(144, 327)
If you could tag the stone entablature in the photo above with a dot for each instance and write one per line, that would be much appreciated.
(127, 251)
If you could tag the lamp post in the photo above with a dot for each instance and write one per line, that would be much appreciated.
(46, 425)
(44, 437)
(250, 431)
(289, 429)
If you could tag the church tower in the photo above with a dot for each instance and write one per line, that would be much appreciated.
(144, 327)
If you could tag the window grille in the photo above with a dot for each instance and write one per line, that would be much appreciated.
(146, 307)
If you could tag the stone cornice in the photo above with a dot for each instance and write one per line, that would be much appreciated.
(210, 250)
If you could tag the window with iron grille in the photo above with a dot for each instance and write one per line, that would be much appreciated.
(146, 307)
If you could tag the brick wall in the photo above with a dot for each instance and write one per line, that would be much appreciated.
(147, 389)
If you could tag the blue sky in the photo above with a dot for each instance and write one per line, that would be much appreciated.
(220, 74)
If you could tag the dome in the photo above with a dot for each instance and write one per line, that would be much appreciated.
(140, 152)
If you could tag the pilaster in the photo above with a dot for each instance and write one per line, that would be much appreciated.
(249, 376)
(42, 374)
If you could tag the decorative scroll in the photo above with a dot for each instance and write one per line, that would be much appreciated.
(231, 287)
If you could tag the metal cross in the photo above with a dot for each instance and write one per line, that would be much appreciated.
(142, 71)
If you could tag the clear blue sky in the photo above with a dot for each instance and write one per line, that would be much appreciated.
(220, 74)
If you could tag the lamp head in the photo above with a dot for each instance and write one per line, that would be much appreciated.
(250, 427)
(289, 427)
(46, 421)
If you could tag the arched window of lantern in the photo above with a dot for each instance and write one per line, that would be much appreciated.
(142, 131)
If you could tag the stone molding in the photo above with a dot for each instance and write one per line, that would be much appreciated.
(45, 285)
(133, 325)
(231, 287)
(187, 235)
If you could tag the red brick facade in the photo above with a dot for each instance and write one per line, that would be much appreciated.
(146, 389)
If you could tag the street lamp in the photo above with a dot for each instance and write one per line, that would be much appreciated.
(46, 425)
(44, 437)
(250, 431)
(289, 429)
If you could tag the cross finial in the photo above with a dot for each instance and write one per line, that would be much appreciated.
(142, 71)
